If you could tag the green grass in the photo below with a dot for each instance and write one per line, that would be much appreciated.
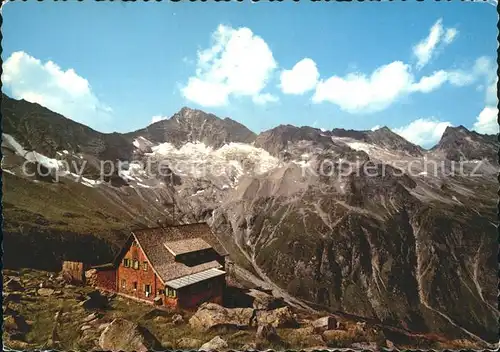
(42, 310)
(60, 206)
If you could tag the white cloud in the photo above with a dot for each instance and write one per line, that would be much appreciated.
(301, 78)
(47, 84)
(264, 98)
(450, 35)
(486, 122)
(376, 127)
(239, 63)
(426, 48)
(424, 132)
(429, 83)
(158, 118)
(357, 92)
(491, 93)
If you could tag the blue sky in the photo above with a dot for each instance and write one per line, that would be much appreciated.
(414, 67)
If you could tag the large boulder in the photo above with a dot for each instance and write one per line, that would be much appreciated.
(262, 300)
(280, 317)
(187, 343)
(91, 317)
(324, 323)
(177, 319)
(45, 291)
(372, 346)
(216, 344)
(305, 337)
(338, 338)
(211, 315)
(124, 335)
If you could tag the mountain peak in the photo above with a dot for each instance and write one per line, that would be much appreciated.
(186, 112)
(189, 125)
(457, 129)
(460, 143)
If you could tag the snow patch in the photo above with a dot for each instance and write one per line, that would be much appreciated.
(10, 142)
(142, 143)
(232, 160)
(83, 180)
(132, 171)
(360, 147)
(8, 171)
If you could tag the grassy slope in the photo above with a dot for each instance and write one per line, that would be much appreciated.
(39, 311)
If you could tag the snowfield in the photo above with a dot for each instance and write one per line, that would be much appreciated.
(232, 160)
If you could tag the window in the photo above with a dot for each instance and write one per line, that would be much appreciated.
(136, 264)
(124, 283)
(126, 263)
(147, 290)
(145, 266)
(161, 292)
(171, 292)
(135, 285)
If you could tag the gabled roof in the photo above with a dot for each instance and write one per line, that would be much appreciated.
(152, 242)
(186, 246)
(199, 230)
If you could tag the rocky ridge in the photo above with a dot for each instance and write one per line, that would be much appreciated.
(388, 246)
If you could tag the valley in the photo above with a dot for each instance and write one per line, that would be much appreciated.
(410, 244)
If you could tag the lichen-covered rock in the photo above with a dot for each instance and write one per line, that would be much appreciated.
(216, 344)
(338, 338)
(45, 291)
(187, 343)
(372, 346)
(262, 300)
(124, 335)
(211, 315)
(280, 317)
(177, 319)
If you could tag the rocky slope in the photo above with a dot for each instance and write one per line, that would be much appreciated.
(42, 311)
(361, 222)
(459, 143)
(190, 125)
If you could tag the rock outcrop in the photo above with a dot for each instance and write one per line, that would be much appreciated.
(278, 318)
(211, 315)
(124, 335)
(216, 344)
